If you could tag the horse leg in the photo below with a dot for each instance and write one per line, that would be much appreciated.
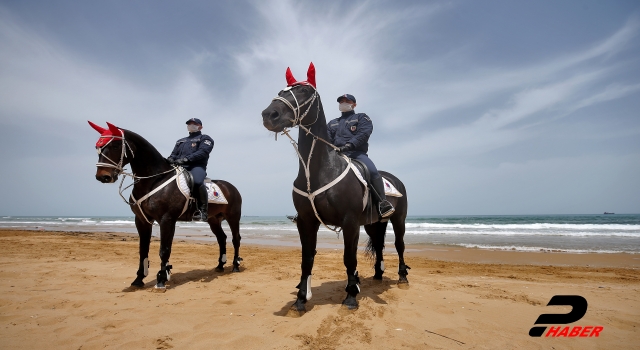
(167, 230)
(351, 234)
(144, 233)
(234, 225)
(398, 230)
(308, 231)
(377, 233)
(216, 228)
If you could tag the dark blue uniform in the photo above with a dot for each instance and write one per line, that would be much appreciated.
(196, 148)
(354, 128)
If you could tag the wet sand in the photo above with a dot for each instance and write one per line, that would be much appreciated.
(71, 291)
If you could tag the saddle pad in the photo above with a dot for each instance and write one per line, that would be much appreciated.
(215, 195)
(389, 188)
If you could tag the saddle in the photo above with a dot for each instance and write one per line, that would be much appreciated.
(185, 184)
(364, 171)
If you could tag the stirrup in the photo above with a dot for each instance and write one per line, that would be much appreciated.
(197, 216)
(293, 219)
(386, 209)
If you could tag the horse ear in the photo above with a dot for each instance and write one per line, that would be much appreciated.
(290, 79)
(311, 75)
(98, 128)
(114, 129)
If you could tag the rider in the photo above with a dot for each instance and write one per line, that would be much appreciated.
(351, 133)
(192, 153)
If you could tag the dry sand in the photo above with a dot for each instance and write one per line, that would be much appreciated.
(71, 291)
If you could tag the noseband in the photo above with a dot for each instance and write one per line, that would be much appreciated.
(123, 154)
(297, 118)
(119, 170)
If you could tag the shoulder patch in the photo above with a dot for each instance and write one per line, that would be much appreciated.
(207, 142)
(367, 118)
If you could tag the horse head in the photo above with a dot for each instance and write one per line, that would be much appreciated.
(288, 108)
(112, 152)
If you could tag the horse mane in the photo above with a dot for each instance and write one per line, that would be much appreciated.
(151, 155)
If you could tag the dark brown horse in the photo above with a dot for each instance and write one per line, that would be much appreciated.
(341, 204)
(159, 199)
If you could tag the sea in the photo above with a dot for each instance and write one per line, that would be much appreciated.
(610, 233)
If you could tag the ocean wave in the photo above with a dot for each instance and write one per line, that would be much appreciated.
(487, 232)
(536, 226)
(542, 249)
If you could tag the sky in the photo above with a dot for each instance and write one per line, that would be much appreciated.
(480, 107)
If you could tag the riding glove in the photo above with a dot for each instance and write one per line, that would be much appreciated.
(346, 148)
(182, 161)
(171, 160)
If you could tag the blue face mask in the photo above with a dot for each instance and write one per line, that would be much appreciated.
(193, 127)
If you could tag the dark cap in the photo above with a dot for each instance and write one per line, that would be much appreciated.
(348, 97)
(195, 120)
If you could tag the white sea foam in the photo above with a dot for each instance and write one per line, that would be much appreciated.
(524, 233)
(536, 226)
(538, 249)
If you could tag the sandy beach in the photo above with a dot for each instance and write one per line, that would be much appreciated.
(71, 291)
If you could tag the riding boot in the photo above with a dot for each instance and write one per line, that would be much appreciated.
(384, 207)
(202, 203)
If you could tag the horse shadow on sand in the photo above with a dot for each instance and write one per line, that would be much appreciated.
(332, 293)
(180, 278)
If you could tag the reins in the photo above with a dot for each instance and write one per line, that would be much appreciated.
(120, 170)
(297, 121)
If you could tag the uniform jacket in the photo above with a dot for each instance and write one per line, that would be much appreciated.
(195, 147)
(351, 127)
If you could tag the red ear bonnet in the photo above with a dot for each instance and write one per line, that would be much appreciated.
(290, 79)
(311, 77)
(106, 135)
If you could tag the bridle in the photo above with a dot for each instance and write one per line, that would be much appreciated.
(119, 165)
(123, 154)
(297, 121)
(297, 118)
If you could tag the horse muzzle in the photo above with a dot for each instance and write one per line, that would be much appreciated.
(106, 177)
(274, 121)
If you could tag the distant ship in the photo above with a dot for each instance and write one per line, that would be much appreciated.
(605, 213)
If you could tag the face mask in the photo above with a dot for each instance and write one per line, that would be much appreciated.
(345, 107)
(192, 127)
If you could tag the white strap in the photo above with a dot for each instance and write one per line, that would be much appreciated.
(137, 202)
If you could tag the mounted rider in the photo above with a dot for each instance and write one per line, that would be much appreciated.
(192, 153)
(351, 132)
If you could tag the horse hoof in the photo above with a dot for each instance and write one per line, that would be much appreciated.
(236, 269)
(403, 280)
(160, 288)
(349, 307)
(297, 309)
(220, 269)
(137, 283)
(350, 303)
(377, 277)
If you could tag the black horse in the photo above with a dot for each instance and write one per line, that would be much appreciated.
(119, 147)
(340, 205)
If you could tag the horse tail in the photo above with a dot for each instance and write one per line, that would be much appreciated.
(369, 251)
(377, 232)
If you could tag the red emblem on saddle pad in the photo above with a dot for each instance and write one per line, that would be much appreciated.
(387, 184)
(106, 135)
(215, 193)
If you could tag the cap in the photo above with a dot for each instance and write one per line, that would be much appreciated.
(195, 120)
(348, 97)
